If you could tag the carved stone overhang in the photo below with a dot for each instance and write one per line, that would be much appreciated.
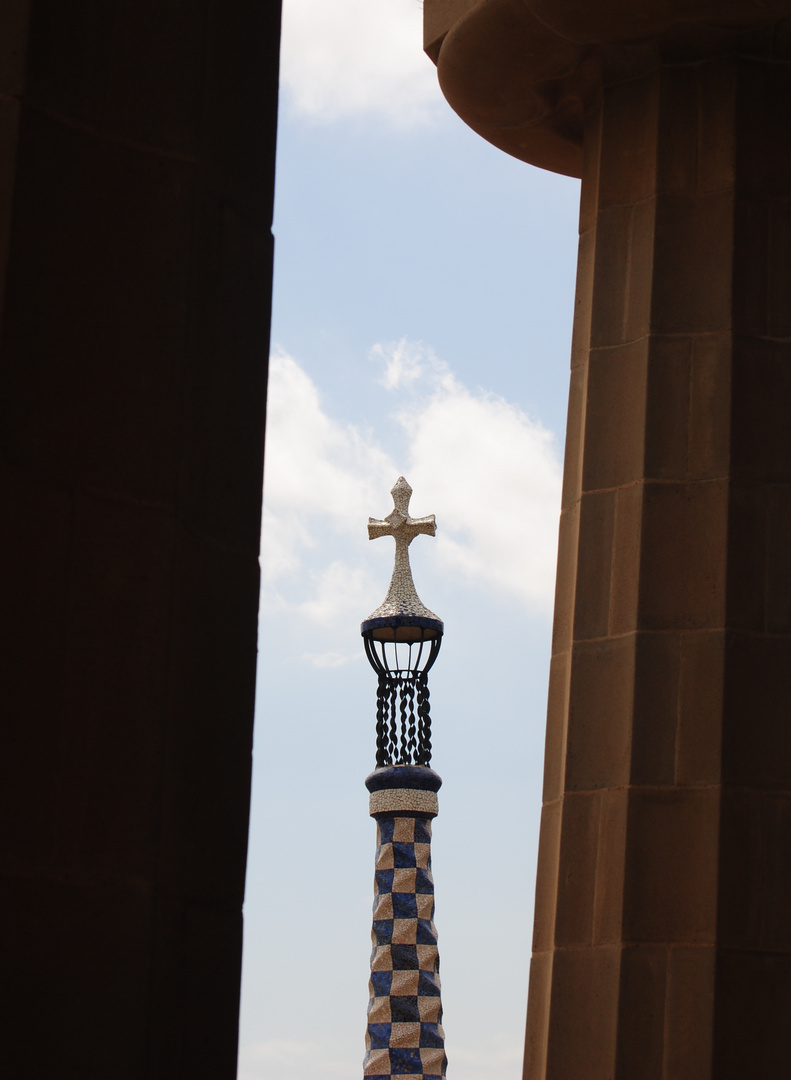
(523, 73)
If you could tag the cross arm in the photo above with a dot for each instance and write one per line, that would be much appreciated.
(427, 525)
(377, 528)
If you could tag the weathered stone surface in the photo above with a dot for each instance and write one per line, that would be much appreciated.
(673, 664)
(525, 74)
(661, 934)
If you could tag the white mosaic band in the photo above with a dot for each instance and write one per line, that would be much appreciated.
(404, 800)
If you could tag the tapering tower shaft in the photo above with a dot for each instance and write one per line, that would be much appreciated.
(405, 1035)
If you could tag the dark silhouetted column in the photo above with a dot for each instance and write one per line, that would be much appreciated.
(135, 207)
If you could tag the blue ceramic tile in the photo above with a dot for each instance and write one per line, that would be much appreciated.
(404, 957)
(418, 777)
(423, 882)
(383, 930)
(379, 1035)
(386, 826)
(426, 934)
(404, 1061)
(422, 831)
(404, 856)
(381, 982)
(429, 1035)
(428, 984)
(384, 880)
(404, 905)
(404, 1010)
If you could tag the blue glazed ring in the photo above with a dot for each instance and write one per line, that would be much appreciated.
(417, 777)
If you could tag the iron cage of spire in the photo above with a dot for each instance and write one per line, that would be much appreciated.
(402, 650)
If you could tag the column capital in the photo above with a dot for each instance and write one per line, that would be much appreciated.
(523, 73)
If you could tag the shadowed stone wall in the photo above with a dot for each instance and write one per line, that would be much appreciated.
(136, 181)
(662, 945)
(663, 937)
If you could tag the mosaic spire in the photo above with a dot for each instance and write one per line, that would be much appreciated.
(405, 1035)
(402, 639)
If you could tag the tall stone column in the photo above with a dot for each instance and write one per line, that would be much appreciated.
(662, 946)
(662, 936)
(136, 182)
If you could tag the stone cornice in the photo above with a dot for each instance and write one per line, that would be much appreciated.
(521, 73)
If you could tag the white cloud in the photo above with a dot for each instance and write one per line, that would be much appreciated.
(489, 472)
(316, 470)
(340, 593)
(353, 57)
(406, 363)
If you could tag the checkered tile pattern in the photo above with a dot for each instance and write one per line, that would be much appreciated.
(405, 1036)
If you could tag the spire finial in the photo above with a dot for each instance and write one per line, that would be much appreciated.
(402, 599)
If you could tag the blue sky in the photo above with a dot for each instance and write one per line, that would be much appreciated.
(422, 316)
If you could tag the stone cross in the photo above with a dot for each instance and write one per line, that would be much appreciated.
(398, 523)
(402, 597)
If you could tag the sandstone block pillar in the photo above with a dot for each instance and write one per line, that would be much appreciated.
(662, 947)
